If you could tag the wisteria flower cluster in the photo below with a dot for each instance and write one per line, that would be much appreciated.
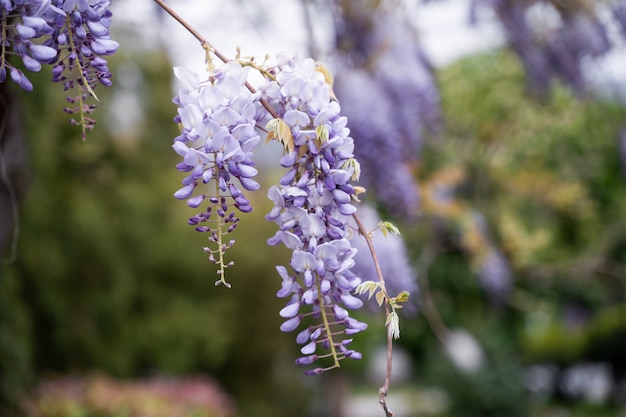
(312, 207)
(70, 35)
(312, 202)
(218, 118)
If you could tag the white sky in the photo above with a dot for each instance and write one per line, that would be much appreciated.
(263, 27)
(270, 26)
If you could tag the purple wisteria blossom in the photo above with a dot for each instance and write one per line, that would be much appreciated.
(21, 23)
(71, 35)
(81, 37)
(218, 118)
(313, 208)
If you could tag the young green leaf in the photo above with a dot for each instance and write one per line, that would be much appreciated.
(388, 228)
(367, 286)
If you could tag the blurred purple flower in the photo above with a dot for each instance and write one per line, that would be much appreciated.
(557, 53)
(382, 71)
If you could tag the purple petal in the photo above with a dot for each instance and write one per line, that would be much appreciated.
(37, 23)
(185, 192)
(287, 284)
(317, 333)
(31, 64)
(291, 324)
(195, 201)
(309, 278)
(288, 160)
(104, 46)
(249, 184)
(353, 354)
(247, 171)
(306, 360)
(290, 310)
(354, 325)
(315, 371)
(341, 197)
(302, 260)
(43, 53)
(303, 336)
(290, 240)
(325, 251)
(309, 348)
(19, 78)
(180, 148)
(309, 297)
(97, 28)
(340, 312)
(288, 177)
(25, 32)
(346, 209)
(351, 302)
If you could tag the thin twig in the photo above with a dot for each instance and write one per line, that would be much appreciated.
(385, 388)
(211, 49)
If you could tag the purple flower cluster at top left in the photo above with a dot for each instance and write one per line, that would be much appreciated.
(71, 35)
(62, 33)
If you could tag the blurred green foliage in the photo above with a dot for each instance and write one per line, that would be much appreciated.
(545, 175)
(496, 389)
(547, 180)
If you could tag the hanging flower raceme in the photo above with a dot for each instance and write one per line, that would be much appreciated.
(21, 23)
(81, 35)
(71, 35)
(312, 207)
(217, 118)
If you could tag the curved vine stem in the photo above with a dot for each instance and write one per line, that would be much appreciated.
(384, 390)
